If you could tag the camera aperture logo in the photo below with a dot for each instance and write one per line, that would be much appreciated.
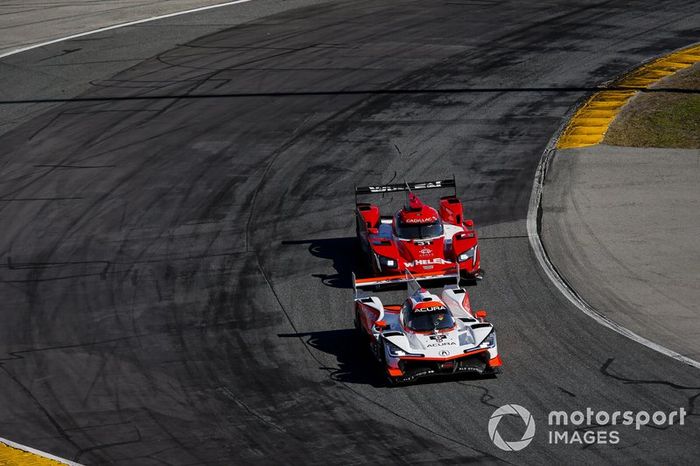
(528, 435)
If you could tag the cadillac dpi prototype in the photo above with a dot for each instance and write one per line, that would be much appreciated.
(428, 243)
(428, 335)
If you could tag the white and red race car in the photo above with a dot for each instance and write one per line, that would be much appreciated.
(427, 335)
(427, 242)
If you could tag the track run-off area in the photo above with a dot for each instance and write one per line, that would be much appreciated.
(177, 232)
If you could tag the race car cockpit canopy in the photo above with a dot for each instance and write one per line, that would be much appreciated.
(427, 316)
(418, 221)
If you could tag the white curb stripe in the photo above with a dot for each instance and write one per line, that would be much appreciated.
(559, 281)
(120, 25)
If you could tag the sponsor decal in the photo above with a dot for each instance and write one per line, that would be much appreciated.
(428, 185)
(438, 337)
(431, 219)
(425, 251)
(431, 309)
(385, 189)
(433, 261)
(444, 343)
(402, 187)
(444, 353)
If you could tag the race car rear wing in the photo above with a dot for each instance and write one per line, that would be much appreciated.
(412, 186)
(402, 278)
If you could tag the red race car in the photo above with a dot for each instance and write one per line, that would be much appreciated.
(429, 243)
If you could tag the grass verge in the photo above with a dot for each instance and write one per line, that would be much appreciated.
(661, 119)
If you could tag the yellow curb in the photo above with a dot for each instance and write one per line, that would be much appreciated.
(10, 456)
(591, 121)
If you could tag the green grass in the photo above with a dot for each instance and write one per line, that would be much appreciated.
(661, 119)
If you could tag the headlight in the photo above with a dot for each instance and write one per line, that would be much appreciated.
(490, 340)
(386, 262)
(469, 254)
(395, 351)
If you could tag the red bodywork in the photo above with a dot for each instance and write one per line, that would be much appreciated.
(390, 254)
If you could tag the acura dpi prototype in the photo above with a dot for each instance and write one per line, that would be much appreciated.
(427, 335)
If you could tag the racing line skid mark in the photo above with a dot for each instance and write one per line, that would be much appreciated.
(590, 123)
(12, 453)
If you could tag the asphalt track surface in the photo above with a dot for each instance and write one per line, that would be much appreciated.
(177, 238)
(32, 22)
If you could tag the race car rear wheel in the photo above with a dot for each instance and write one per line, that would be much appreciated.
(356, 323)
(381, 357)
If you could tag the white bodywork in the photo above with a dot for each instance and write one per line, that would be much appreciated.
(470, 336)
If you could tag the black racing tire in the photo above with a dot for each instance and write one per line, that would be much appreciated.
(362, 260)
(390, 381)
(361, 334)
(356, 323)
(467, 279)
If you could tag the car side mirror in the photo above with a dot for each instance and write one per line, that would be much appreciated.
(480, 314)
(381, 324)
